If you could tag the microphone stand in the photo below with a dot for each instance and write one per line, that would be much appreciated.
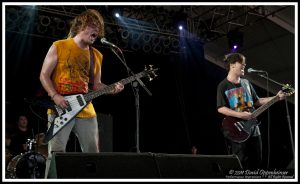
(287, 114)
(136, 94)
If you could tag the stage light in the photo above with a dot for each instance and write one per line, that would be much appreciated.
(125, 34)
(235, 40)
(147, 48)
(42, 29)
(175, 43)
(180, 27)
(157, 49)
(135, 45)
(167, 42)
(45, 20)
(156, 40)
(135, 36)
(147, 38)
(117, 15)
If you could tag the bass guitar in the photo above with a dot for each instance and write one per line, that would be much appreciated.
(238, 130)
(79, 101)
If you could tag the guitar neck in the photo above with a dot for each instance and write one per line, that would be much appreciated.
(90, 96)
(262, 108)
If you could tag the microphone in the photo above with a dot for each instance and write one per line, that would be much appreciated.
(105, 42)
(251, 70)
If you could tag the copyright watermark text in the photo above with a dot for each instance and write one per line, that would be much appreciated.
(259, 174)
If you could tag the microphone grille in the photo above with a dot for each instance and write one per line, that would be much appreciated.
(250, 70)
(103, 40)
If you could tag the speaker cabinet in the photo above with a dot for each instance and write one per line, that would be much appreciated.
(196, 166)
(102, 165)
(140, 165)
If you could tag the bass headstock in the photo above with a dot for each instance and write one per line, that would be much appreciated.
(288, 90)
(151, 72)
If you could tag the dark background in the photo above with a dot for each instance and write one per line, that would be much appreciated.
(180, 114)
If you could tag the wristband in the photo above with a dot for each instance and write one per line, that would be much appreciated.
(54, 95)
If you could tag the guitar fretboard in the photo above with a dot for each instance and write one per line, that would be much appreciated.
(88, 97)
(262, 108)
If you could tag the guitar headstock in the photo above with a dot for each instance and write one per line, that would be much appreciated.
(151, 72)
(288, 90)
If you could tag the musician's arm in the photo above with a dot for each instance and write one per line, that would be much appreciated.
(45, 77)
(229, 112)
(262, 101)
(47, 69)
(97, 81)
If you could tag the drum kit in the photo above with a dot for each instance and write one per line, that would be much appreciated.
(30, 164)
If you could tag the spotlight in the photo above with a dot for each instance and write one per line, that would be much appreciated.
(117, 15)
(235, 40)
(180, 27)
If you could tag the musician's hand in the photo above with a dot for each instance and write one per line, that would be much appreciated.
(99, 85)
(118, 88)
(281, 95)
(246, 115)
(60, 101)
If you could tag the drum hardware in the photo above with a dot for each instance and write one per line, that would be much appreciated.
(27, 165)
(30, 143)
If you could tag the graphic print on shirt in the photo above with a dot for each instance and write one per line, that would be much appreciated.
(76, 75)
(238, 99)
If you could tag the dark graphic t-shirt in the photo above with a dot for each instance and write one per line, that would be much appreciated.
(237, 97)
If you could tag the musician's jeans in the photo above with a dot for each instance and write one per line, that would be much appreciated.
(86, 130)
(249, 152)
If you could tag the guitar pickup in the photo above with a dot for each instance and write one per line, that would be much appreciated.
(239, 126)
(69, 108)
(80, 101)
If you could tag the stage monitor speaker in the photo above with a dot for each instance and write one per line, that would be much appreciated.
(196, 166)
(103, 165)
(141, 165)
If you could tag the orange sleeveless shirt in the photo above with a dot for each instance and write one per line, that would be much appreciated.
(71, 74)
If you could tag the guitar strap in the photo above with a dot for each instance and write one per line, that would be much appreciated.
(91, 74)
(245, 84)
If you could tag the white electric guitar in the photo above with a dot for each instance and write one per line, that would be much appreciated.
(79, 101)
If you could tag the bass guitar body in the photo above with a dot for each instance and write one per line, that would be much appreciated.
(238, 130)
